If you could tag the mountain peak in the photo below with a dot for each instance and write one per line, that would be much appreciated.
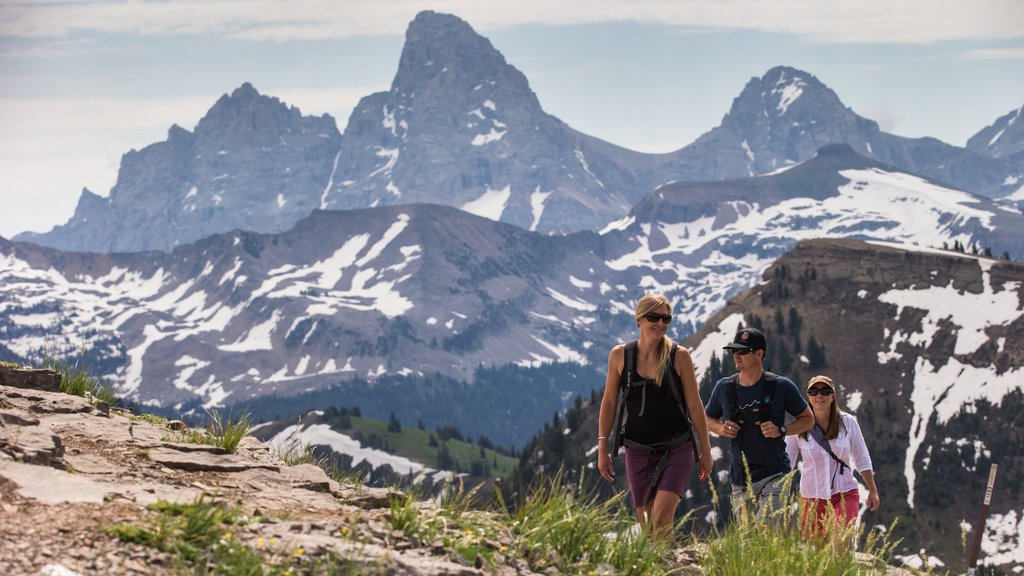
(1003, 138)
(437, 44)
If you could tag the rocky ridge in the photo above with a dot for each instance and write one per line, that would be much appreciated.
(70, 468)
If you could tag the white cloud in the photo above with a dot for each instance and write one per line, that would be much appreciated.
(993, 54)
(866, 21)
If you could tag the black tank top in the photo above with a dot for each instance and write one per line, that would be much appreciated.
(652, 415)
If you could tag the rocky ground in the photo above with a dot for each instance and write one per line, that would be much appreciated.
(70, 468)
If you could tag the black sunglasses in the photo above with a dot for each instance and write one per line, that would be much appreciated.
(654, 317)
(823, 390)
(742, 352)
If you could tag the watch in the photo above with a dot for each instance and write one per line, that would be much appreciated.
(782, 429)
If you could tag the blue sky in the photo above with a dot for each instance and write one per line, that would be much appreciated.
(83, 82)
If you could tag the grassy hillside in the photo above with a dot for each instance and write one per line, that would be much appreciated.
(444, 448)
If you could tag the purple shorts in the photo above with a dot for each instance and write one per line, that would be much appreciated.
(674, 477)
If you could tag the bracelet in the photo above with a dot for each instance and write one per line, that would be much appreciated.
(602, 437)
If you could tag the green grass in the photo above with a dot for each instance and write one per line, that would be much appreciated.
(148, 418)
(223, 432)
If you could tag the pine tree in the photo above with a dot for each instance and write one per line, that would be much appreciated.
(815, 354)
(393, 424)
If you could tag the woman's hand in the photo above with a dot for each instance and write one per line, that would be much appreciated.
(605, 465)
(873, 500)
(704, 465)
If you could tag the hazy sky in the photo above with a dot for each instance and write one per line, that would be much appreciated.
(82, 82)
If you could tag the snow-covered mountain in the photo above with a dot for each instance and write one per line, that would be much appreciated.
(424, 289)
(460, 126)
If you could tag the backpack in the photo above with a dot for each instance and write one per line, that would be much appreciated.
(770, 381)
(626, 383)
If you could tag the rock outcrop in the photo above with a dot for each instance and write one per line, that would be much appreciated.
(70, 471)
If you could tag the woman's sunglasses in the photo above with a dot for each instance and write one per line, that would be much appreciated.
(823, 390)
(654, 317)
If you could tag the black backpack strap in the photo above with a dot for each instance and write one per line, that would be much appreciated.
(730, 398)
(676, 384)
(625, 381)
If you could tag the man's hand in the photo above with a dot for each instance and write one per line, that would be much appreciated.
(730, 429)
(770, 430)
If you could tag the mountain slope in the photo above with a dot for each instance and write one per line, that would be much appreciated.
(415, 290)
(926, 348)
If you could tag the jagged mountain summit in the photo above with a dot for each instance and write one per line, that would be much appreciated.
(785, 116)
(461, 126)
(252, 163)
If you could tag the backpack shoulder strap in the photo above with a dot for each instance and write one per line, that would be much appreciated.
(629, 365)
(674, 382)
(819, 436)
(730, 397)
(625, 379)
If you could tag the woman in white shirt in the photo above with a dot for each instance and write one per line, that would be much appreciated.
(825, 478)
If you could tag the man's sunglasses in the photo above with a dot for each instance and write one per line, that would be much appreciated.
(823, 390)
(742, 352)
(654, 317)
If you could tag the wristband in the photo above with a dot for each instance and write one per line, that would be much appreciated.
(602, 437)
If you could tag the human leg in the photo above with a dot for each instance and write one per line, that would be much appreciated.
(770, 497)
(663, 513)
(739, 501)
(812, 516)
(846, 505)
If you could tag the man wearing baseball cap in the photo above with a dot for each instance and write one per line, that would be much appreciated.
(751, 408)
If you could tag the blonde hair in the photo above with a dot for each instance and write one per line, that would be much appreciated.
(835, 423)
(649, 303)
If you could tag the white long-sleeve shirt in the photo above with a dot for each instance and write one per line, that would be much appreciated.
(817, 467)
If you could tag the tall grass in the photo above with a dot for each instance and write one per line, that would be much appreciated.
(228, 432)
(571, 531)
(754, 543)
